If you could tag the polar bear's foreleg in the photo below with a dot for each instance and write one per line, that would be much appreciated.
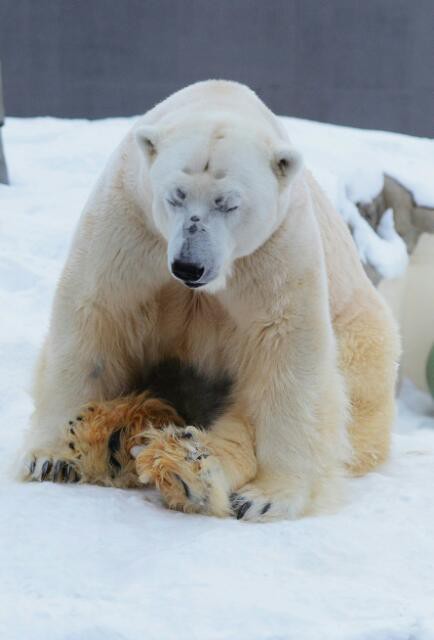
(301, 454)
(299, 407)
(77, 365)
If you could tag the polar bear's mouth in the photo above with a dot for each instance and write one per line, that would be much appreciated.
(189, 273)
(198, 275)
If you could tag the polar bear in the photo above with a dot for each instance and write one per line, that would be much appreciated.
(207, 243)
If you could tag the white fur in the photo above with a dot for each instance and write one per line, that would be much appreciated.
(273, 274)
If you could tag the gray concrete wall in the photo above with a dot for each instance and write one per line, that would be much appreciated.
(365, 63)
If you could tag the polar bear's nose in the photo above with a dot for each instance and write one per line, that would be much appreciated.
(187, 271)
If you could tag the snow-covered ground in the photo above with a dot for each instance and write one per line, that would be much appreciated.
(88, 563)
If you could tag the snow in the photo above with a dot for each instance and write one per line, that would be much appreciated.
(358, 157)
(350, 165)
(88, 563)
(385, 250)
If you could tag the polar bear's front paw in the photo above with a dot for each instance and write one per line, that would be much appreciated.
(39, 467)
(263, 503)
(187, 473)
(245, 505)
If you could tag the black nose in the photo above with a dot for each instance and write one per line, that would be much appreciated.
(187, 271)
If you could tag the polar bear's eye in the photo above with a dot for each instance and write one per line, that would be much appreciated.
(174, 203)
(177, 199)
(223, 206)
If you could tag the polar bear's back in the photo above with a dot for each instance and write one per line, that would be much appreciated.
(348, 283)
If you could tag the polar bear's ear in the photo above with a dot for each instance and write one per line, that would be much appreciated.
(147, 139)
(286, 163)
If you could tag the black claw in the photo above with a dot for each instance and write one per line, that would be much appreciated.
(72, 431)
(65, 472)
(79, 418)
(70, 474)
(114, 463)
(187, 435)
(58, 471)
(243, 509)
(265, 508)
(46, 468)
(71, 422)
(201, 456)
(75, 476)
(32, 465)
(236, 500)
(114, 442)
(71, 445)
(185, 487)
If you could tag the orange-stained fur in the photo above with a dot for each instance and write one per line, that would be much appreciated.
(89, 437)
(179, 460)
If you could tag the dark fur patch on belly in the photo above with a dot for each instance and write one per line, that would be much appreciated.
(198, 398)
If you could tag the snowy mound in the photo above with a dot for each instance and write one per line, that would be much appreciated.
(350, 165)
(356, 159)
(87, 563)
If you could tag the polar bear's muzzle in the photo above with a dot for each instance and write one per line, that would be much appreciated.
(197, 253)
(192, 259)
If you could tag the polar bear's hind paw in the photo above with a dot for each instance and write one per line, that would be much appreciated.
(188, 475)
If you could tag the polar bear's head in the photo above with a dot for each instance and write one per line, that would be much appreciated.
(217, 195)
